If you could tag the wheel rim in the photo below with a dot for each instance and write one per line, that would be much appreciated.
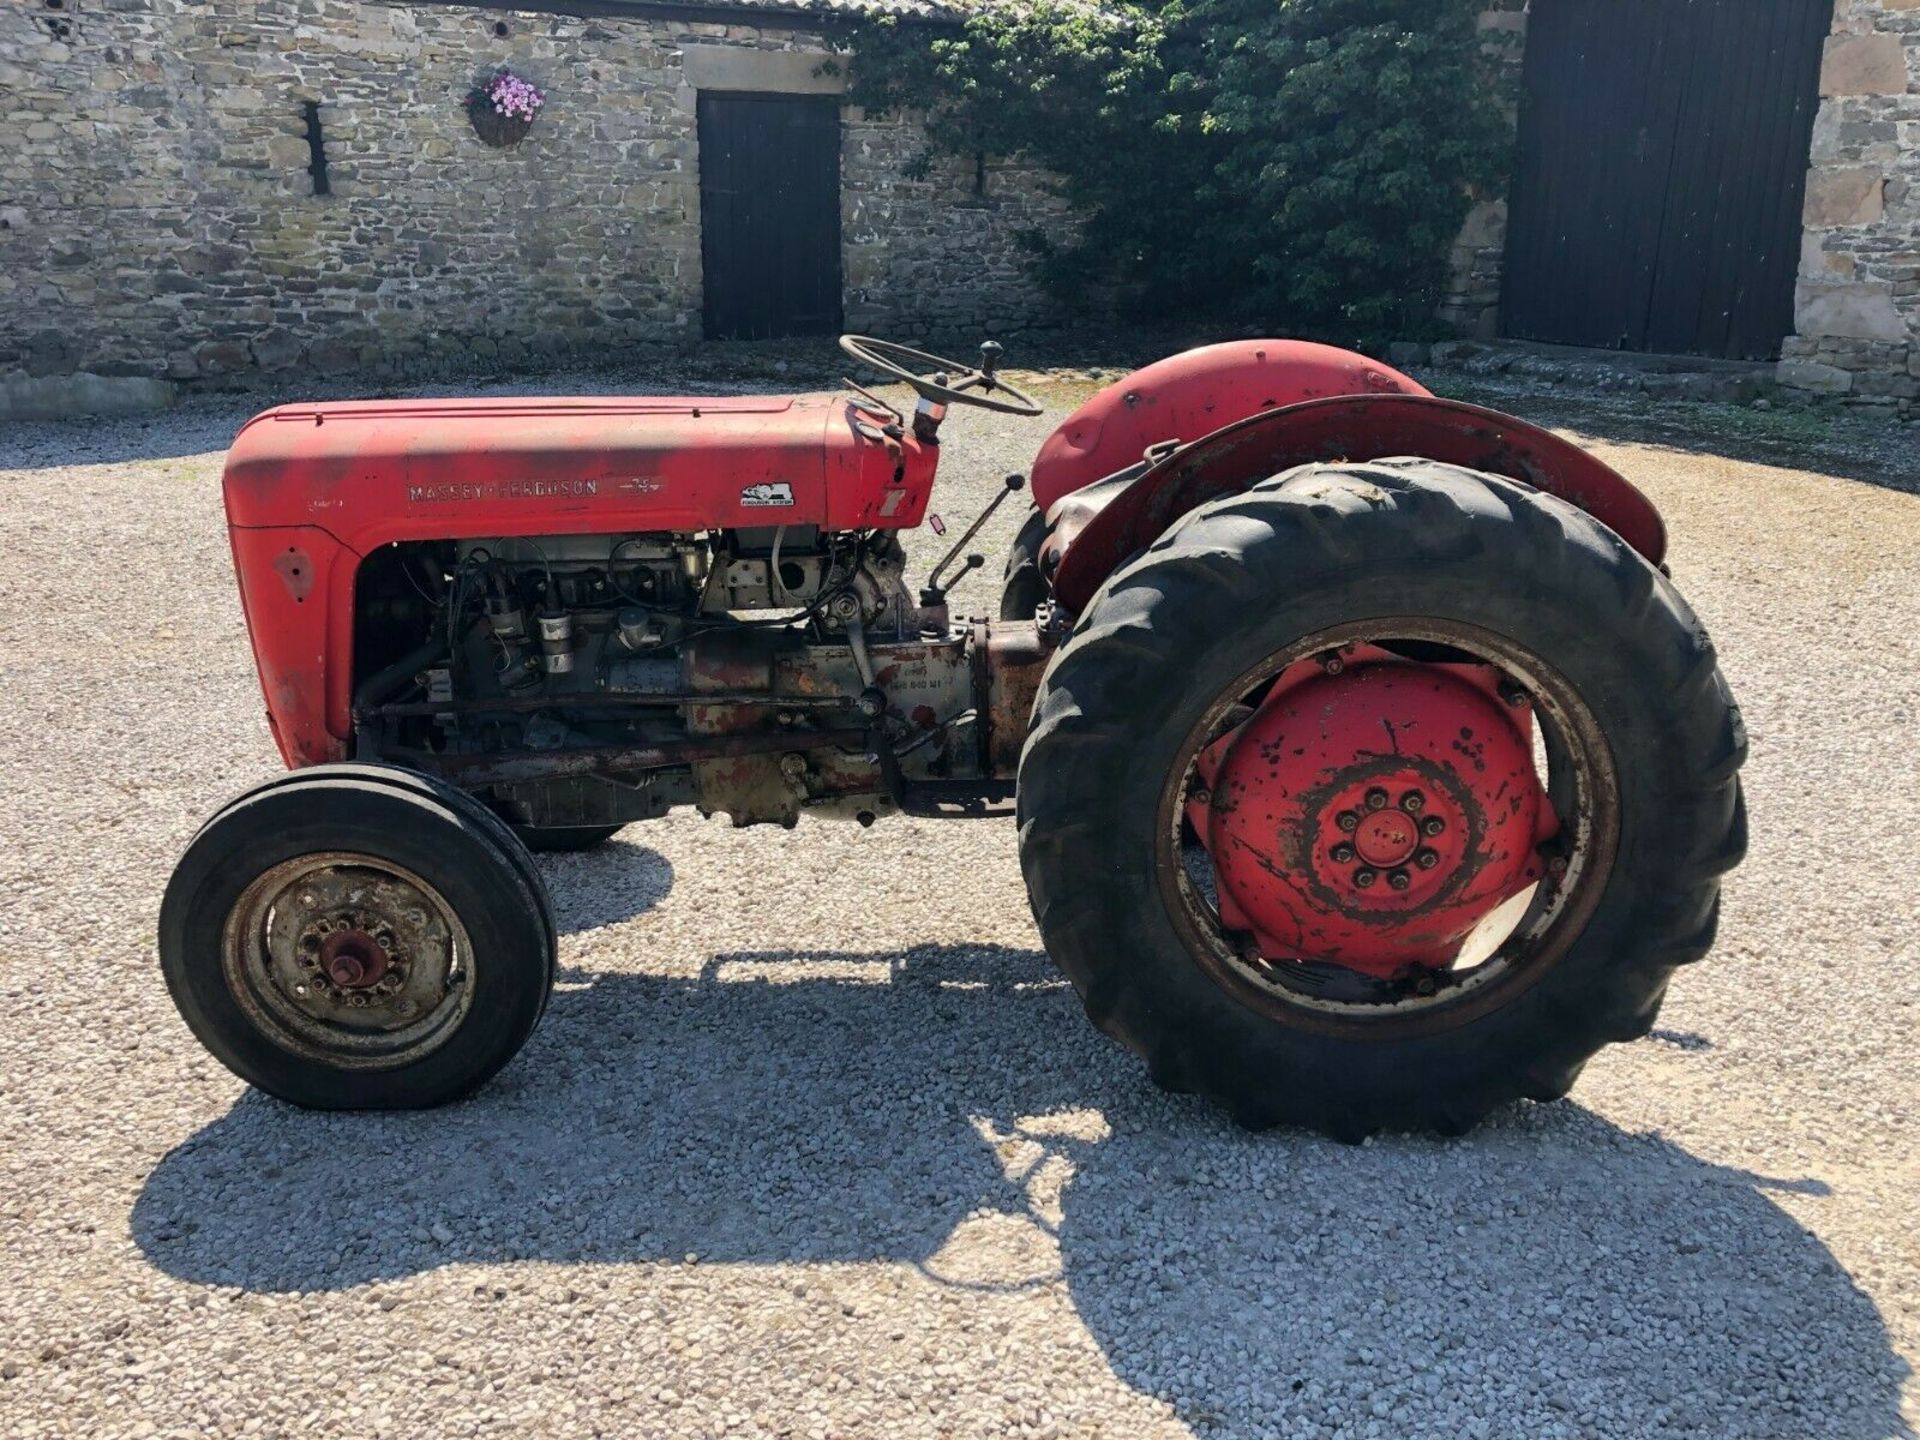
(348, 959)
(1392, 828)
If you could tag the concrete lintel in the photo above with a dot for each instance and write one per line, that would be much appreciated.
(777, 72)
(61, 397)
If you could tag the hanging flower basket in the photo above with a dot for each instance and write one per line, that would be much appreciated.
(502, 108)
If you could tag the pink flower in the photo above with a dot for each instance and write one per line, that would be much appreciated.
(511, 95)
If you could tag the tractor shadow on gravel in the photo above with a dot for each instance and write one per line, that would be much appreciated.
(949, 1109)
(607, 885)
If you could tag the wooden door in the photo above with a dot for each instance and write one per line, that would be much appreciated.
(769, 214)
(1663, 155)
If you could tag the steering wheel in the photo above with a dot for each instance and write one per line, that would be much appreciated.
(945, 382)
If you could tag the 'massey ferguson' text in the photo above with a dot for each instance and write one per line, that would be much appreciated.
(469, 491)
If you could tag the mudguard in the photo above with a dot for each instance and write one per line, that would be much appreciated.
(1193, 394)
(1349, 427)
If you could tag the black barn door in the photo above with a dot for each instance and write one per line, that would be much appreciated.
(770, 214)
(1663, 158)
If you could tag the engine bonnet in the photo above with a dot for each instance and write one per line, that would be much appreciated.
(373, 471)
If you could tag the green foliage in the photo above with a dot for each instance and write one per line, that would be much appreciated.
(1294, 164)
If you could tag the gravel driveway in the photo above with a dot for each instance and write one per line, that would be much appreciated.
(813, 1142)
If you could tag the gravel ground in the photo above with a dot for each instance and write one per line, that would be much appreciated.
(813, 1142)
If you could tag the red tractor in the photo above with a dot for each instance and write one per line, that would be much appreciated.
(1369, 772)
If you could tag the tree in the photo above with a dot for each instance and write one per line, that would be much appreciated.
(1296, 164)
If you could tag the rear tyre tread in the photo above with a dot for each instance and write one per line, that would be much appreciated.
(1022, 586)
(1120, 676)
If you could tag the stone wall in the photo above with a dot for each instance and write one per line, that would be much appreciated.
(1857, 310)
(939, 255)
(1477, 263)
(157, 217)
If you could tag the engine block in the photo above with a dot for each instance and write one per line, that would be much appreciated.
(592, 680)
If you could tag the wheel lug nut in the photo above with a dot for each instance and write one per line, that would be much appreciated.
(1347, 821)
(1341, 854)
(1399, 879)
(1512, 694)
(1376, 799)
(1432, 825)
(1365, 878)
(1413, 802)
(1332, 663)
(1426, 859)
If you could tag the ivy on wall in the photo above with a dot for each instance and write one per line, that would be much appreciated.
(1292, 164)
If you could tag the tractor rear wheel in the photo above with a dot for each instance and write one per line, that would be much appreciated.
(1380, 795)
(1022, 586)
(358, 937)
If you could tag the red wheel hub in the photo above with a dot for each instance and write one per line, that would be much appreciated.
(1370, 814)
(1386, 837)
(352, 959)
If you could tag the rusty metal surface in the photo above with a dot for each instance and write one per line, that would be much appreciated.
(772, 789)
(1351, 428)
(1010, 657)
(1579, 825)
(524, 705)
(349, 959)
(725, 660)
(1327, 847)
(732, 671)
(917, 675)
(749, 790)
(471, 771)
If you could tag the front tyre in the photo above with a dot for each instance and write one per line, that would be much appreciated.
(357, 938)
(1378, 796)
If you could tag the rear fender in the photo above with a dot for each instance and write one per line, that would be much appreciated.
(1193, 394)
(1345, 428)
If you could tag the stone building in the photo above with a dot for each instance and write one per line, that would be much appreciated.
(206, 192)
(1828, 129)
(203, 191)
(1857, 317)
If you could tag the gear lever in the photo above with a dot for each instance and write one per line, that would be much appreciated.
(935, 593)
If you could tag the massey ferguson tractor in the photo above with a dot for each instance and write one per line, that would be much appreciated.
(1369, 772)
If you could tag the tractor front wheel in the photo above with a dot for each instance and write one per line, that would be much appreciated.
(358, 937)
(1380, 795)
